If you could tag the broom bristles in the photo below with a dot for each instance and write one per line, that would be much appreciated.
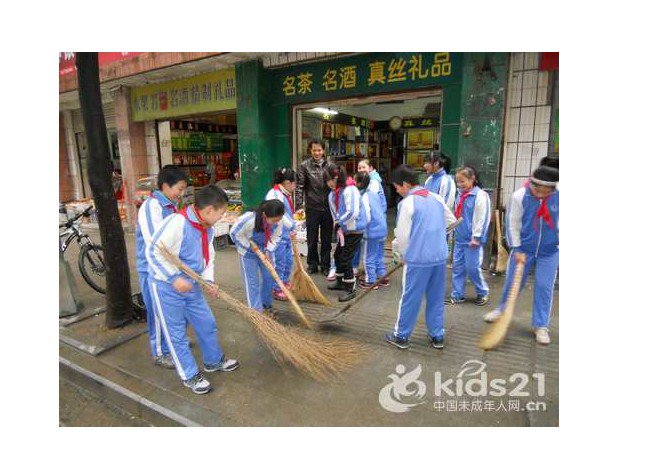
(303, 286)
(317, 356)
(497, 331)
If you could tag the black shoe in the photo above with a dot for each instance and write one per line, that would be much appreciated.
(436, 342)
(351, 292)
(481, 300)
(338, 285)
(312, 269)
(453, 301)
(401, 343)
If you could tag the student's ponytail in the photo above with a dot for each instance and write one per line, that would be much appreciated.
(270, 208)
(283, 174)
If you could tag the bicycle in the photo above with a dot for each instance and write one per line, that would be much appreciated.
(91, 256)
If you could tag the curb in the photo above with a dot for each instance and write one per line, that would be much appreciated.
(129, 400)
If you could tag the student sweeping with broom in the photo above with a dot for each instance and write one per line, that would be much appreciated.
(188, 236)
(474, 206)
(283, 189)
(263, 228)
(532, 230)
(346, 208)
(375, 234)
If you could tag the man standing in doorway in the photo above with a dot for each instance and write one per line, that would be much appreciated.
(312, 193)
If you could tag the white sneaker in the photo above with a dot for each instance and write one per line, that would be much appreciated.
(493, 315)
(198, 384)
(542, 335)
(331, 276)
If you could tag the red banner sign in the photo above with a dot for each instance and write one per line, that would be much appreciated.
(67, 60)
(548, 61)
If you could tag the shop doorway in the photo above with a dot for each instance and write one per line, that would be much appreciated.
(389, 130)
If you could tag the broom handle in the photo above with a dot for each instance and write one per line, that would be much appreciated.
(366, 291)
(280, 283)
(237, 305)
(498, 228)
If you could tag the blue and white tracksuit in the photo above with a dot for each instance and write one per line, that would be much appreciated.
(257, 279)
(375, 185)
(421, 240)
(283, 256)
(150, 215)
(442, 184)
(525, 233)
(467, 260)
(375, 236)
(175, 309)
(352, 221)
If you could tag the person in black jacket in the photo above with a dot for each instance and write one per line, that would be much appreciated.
(312, 194)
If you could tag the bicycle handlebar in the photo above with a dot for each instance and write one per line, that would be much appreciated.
(71, 221)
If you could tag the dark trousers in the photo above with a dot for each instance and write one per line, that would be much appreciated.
(318, 221)
(344, 256)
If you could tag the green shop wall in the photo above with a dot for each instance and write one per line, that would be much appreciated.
(265, 98)
(483, 96)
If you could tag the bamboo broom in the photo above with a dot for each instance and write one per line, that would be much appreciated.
(319, 357)
(502, 255)
(303, 286)
(290, 295)
(497, 331)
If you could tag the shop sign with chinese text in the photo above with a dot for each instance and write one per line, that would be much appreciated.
(366, 74)
(194, 95)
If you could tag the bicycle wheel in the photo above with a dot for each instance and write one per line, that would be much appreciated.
(92, 267)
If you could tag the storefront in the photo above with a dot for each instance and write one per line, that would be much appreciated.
(390, 107)
(195, 127)
(195, 121)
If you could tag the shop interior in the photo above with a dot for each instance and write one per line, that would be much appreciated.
(205, 147)
(389, 132)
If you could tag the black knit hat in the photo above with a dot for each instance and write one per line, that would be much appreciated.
(545, 175)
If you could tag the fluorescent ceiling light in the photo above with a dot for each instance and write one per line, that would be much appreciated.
(324, 110)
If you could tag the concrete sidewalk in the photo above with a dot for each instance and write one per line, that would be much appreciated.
(260, 393)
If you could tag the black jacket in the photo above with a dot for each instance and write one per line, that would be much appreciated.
(311, 190)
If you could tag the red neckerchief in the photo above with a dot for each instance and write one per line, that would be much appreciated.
(459, 208)
(267, 231)
(200, 228)
(169, 205)
(421, 193)
(543, 212)
(289, 198)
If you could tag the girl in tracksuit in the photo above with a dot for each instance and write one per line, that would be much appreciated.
(421, 244)
(283, 189)
(439, 181)
(474, 206)
(532, 233)
(178, 299)
(375, 185)
(263, 228)
(161, 203)
(350, 222)
(375, 234)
